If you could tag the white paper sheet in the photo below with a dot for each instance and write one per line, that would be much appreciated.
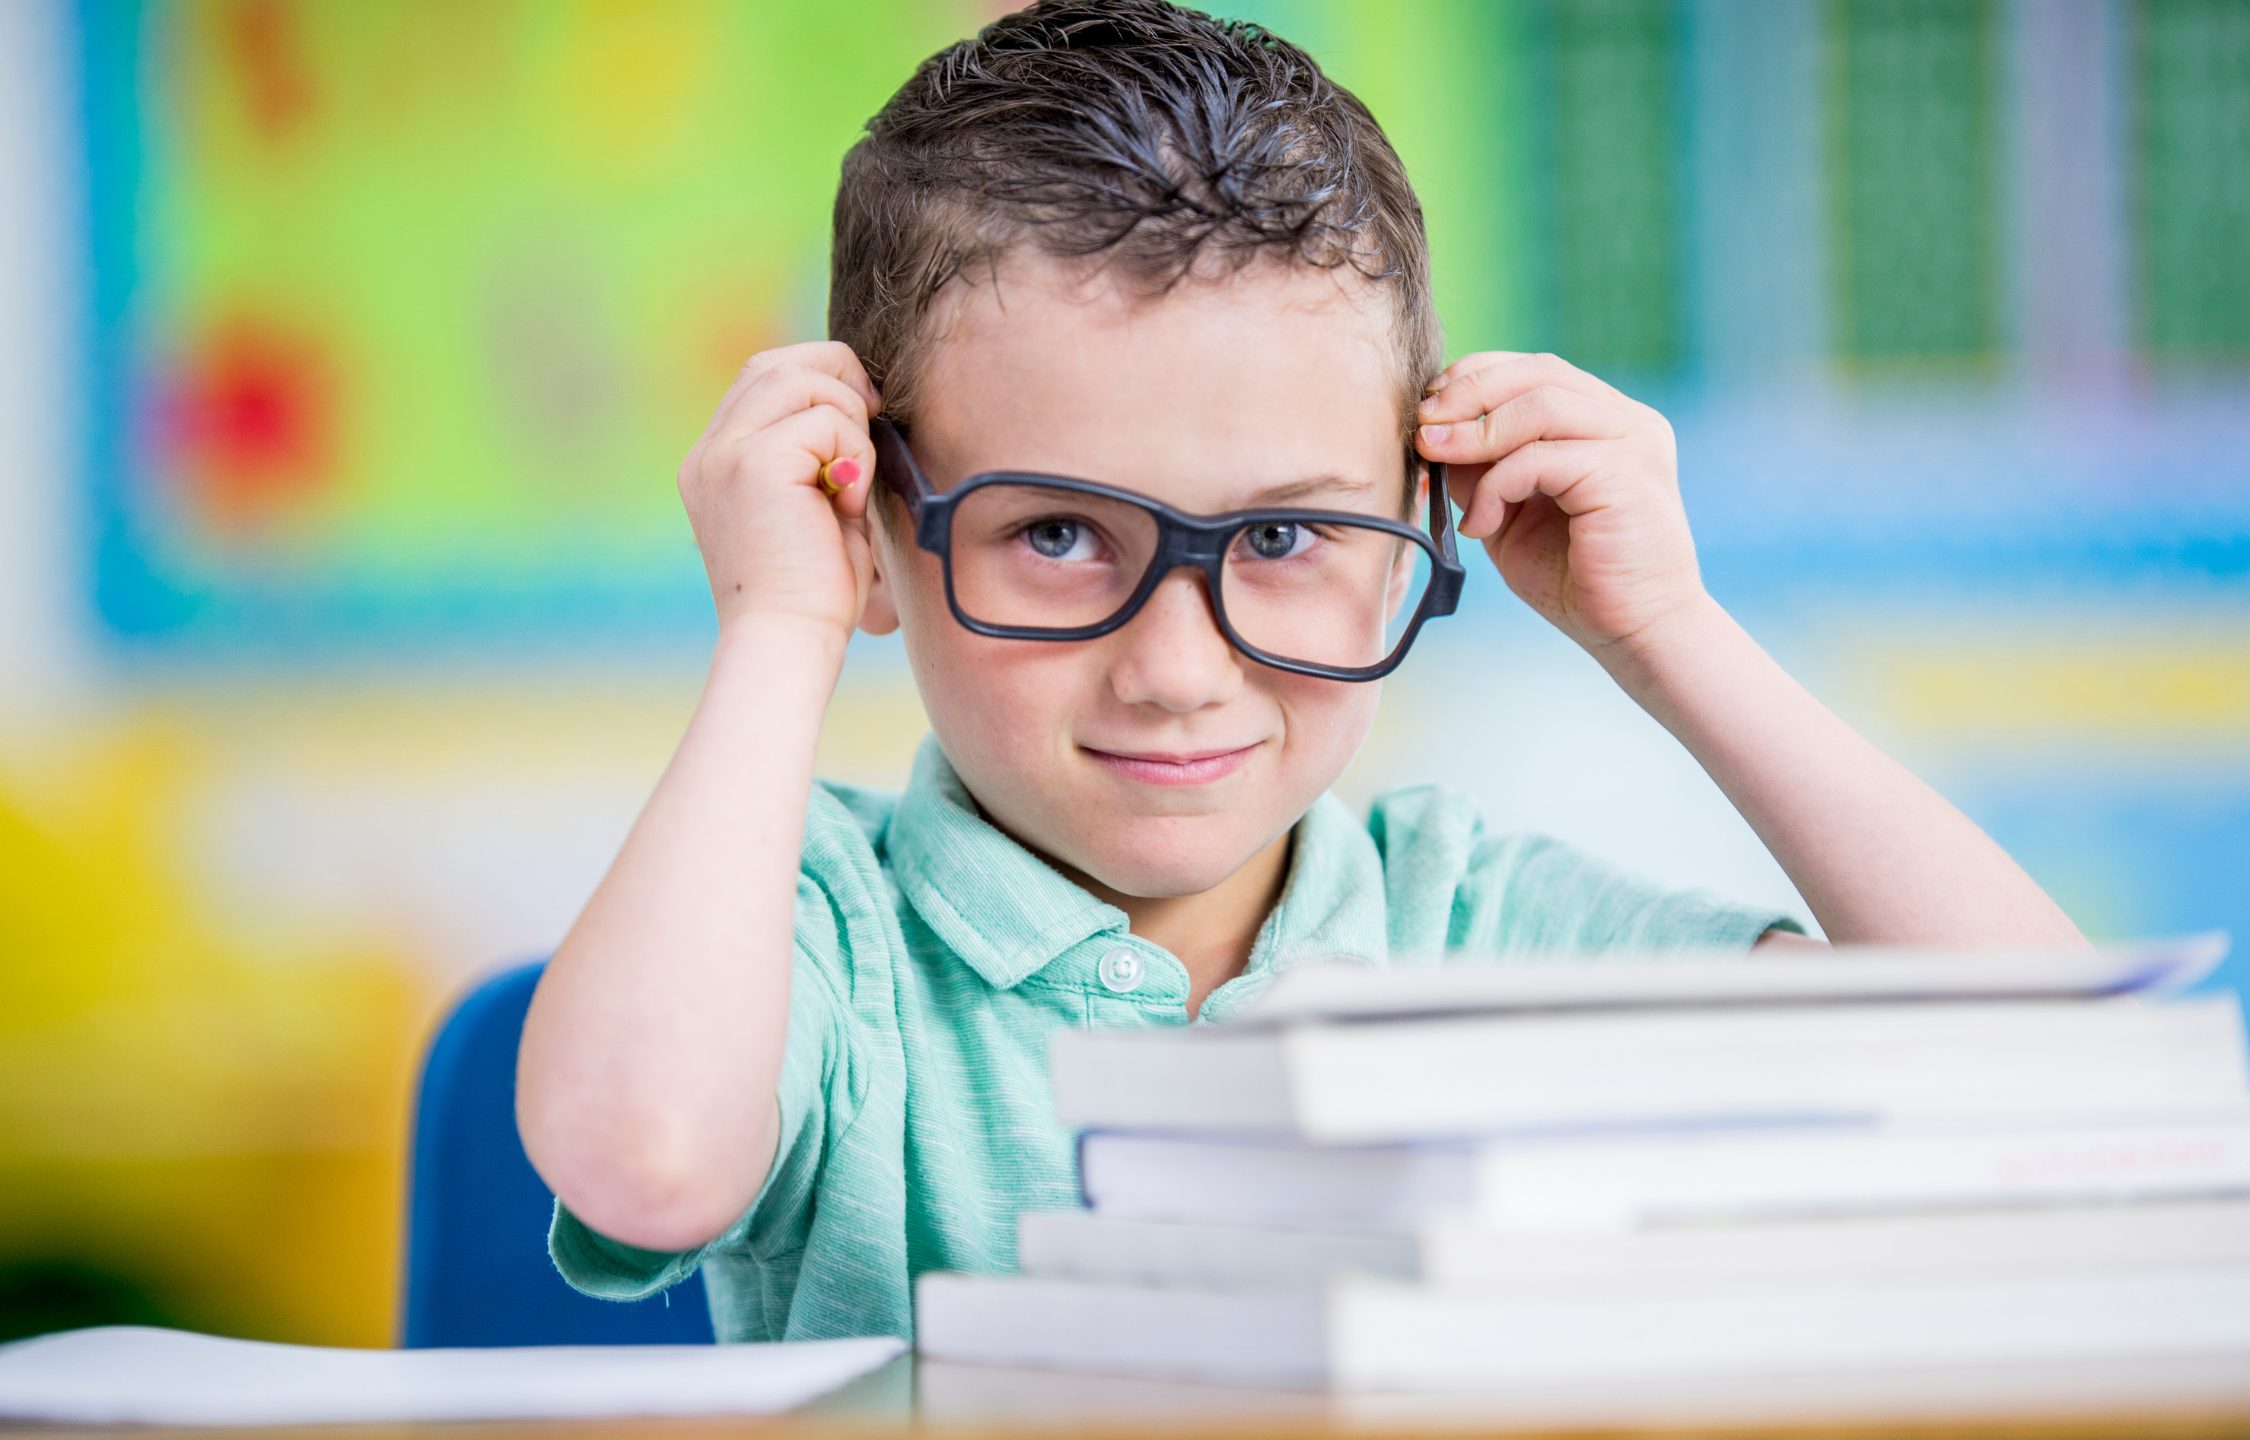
(130, 1374)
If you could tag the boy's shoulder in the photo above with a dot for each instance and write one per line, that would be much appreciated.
(1452, 886)
(1427, 847)
(846, 846)
(1434, 838)
(864, 809)
(1408, 812)
(1434, 828)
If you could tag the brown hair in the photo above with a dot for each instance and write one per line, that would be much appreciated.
(1131, 133)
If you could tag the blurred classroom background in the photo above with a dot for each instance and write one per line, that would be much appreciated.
(346, 612)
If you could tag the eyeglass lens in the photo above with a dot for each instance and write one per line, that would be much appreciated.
(1325, 593)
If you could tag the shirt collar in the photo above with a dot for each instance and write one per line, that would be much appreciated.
(1008, 914)
(992, 902)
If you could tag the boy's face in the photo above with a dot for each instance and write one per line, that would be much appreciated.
(1156, 760)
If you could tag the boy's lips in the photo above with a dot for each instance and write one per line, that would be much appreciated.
(1191, 767)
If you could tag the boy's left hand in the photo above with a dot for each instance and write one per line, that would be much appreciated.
(1572, 486)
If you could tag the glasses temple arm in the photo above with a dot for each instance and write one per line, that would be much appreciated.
(894, 465)
(1441, 513)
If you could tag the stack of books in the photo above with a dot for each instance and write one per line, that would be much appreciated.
(1473, 1179)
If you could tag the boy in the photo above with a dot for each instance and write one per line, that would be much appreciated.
(798, 1036)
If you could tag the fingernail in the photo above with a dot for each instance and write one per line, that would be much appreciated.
(845, 473)
(1431, 403)
(1435, 434)
(1438, 384)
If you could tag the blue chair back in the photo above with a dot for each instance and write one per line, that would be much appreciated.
(477, 1271)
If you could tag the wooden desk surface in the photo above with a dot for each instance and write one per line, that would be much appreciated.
(2206, 1398)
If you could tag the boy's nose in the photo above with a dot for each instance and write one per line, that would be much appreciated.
(1172, 654)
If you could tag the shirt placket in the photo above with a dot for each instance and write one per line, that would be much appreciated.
(1133, 983)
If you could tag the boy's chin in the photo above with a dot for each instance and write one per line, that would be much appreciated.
(1167, 862)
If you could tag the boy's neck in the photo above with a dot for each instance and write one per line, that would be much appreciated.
(1211, 933)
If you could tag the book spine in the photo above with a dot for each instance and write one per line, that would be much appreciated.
(1071, 1244)
(1877, 1249)
(1392, 1337)
(1719, 1178)
(1265, 1338)
(1874, 1063)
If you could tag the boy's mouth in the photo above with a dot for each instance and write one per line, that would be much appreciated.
(1194, 767)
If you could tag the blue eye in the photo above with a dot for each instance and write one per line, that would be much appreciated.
(1274, 541)
(1052, 538)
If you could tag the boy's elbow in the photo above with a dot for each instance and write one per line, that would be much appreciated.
(651, 1212)
(645, 1188)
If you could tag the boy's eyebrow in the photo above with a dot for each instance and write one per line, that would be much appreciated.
(1292, 490)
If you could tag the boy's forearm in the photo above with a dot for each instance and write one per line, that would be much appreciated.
(651, 1055)
(1879, 856)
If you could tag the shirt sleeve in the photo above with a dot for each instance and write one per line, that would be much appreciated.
(817, 1075)
(1453, 889)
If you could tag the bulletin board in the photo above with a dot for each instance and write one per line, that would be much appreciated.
(404, 314)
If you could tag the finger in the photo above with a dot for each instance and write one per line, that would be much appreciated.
(783, 390)
(1545, 413)
(794, 449)
(827, 436)
(834, 357)
(828, 357)
(766, 394)
(1497, 374)
(1475, 384)
(1461, 482)
(1485, 508)
(1557, 469)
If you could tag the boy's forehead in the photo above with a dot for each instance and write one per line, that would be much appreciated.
(1271, 374)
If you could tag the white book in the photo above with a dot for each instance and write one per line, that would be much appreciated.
(1350, 990)
(2103, 1396)
(1582, 1181)
(1452, 1076)
(1372, 1335)
(1871, 1249)
(1079, 1245)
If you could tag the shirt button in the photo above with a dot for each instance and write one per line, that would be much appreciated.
(1120, 971)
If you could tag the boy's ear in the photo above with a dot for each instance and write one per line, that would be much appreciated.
(879, 616)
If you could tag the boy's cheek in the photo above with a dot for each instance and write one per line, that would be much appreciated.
(1000, 708)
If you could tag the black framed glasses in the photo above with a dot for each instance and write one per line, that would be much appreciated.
(1330, 593)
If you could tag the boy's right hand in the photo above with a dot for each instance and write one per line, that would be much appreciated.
(773, 542)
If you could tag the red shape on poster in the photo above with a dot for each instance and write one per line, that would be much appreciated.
(250, 421)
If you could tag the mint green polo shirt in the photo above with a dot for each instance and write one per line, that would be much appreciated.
(934, 957)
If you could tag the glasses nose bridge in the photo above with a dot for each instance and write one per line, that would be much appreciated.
(1183, 543)
(1153, 609)
(1202, 561)
(1192, 544)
